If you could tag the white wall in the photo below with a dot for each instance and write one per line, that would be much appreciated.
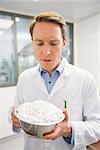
(87, 45)
(98, 54)
(7, 95)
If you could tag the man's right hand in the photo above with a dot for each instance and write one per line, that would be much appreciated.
(15, 120)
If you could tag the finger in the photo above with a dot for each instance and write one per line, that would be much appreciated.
(53, 135)
(17, 125)
(14, 117)
(48, 132)
(49, 136)
(66, 114)
(15, 121)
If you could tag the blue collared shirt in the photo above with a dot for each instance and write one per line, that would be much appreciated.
(51, 79)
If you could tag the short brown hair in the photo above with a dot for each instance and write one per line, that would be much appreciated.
(52, 17)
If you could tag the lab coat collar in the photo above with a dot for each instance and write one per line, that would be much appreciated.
(64, 63)
(59, 83)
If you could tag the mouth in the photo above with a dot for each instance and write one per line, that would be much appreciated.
(46, 60)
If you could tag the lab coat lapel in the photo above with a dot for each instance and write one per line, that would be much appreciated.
(40, 82)
(61, 81)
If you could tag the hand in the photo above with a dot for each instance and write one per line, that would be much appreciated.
(15, 120)
(61, 129)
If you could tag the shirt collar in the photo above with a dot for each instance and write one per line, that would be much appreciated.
(60, 67)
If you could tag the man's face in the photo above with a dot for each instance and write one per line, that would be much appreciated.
(48, 44)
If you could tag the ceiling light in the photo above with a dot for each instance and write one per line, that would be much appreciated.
(35, 0)
(17, 19)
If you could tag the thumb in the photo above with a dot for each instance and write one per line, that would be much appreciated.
(66, 114)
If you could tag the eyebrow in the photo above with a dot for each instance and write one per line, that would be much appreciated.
(53, 40)
(37, 40)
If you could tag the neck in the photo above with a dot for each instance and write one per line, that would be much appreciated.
(50, 71)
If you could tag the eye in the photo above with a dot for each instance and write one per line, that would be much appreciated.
(54, 43)
(39, 43)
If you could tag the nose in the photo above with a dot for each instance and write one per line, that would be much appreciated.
(47, 50)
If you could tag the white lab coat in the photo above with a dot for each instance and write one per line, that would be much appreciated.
(78, 88)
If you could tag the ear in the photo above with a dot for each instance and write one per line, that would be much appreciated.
(64, 43)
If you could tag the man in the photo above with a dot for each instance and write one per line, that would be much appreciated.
(55, 80)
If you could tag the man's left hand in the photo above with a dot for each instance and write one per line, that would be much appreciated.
(61, 129)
